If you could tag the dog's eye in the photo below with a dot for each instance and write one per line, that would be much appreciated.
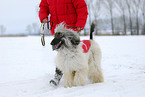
(70, 37)
(59, 34)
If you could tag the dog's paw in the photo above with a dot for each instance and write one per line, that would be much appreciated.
(53, 83)
(67, 86)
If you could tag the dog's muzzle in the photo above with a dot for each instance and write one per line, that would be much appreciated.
(56, 43)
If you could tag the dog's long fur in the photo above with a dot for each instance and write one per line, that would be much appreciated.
(74, 63)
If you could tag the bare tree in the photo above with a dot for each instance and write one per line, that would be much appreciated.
(89, 3)
(96, 9)
(122, 7)
(143, 15)
(29, 29)
(136, 11)
(35, 27)
(129, 3)
(2, 29)
(109, 4)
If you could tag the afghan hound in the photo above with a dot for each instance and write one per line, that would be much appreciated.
(78, 60)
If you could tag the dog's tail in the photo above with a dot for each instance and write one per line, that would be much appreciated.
(92, 30)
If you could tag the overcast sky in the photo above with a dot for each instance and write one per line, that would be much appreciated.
(15, 15)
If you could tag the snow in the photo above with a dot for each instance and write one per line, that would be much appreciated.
(26, 68)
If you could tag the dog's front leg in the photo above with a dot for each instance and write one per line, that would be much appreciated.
(68, 79)
(80, 77)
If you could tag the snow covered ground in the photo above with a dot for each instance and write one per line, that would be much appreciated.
(26, 68)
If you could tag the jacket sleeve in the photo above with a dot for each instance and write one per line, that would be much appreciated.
(82, 12)
(44, 10)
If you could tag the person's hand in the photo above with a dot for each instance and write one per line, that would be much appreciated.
(45, 20)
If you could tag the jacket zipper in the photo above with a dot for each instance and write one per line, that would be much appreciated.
(56, 11)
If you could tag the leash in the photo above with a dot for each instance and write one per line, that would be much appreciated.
(42, 31)
(57, 23)
(42, 34)
(70, 26)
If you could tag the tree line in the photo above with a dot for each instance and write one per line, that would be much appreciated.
(118, 16)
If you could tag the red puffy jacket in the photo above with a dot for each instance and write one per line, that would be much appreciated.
(72, 12)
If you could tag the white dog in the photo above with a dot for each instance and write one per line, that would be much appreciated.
(75, 62)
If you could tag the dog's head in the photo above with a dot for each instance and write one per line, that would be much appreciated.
(64, 38)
